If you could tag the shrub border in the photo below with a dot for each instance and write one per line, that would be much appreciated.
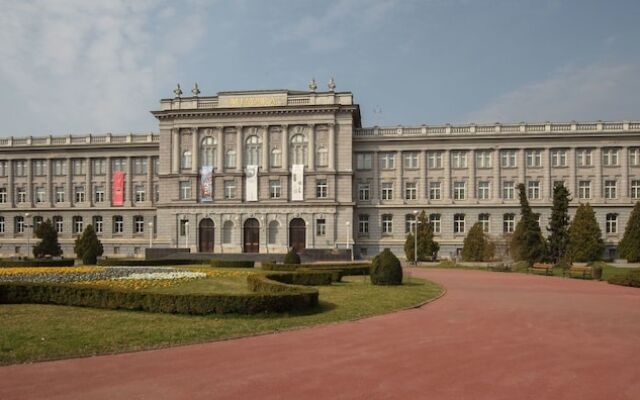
(137, 262)
(36, 262)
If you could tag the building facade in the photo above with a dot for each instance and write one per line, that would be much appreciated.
(261, 171)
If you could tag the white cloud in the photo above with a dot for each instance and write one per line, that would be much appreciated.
(606, 92)
(90, 65)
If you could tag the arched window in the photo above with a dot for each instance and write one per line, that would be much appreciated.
(253, 145)
(186, 159)
(274, 228)
(276, 158)
(227, 229)
(322, 157)
(298, 149)
(208, 149)
(230, 159)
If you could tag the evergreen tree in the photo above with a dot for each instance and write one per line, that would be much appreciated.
(409, 247)
(585, 237)
(477, 245)
(48, 245)
(559, 225)
(88, 246)
(527, 243)
(427, 247)
(629, 247)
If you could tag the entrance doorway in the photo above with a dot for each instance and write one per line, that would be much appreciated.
(251, 236)
(206, 234)
(297, 234)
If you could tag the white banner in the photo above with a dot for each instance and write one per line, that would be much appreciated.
(251, 186)
(297, 182)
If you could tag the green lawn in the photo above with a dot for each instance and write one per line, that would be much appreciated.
(39, 332)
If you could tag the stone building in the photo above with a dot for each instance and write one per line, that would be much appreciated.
(261, 171)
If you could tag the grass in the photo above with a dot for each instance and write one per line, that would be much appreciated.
(33, 332)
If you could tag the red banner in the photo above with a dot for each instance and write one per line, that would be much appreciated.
(118, 188)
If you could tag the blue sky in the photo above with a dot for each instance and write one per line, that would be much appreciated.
(76, 66)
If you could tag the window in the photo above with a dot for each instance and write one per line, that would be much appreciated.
(483, 159)
(558, 158)
(410, 191)
(274, 227)
(40, 195)
(37, 220)
(436, 224)
(18, 224)
(634, 156)
(387, 191)
(584, 157)
(98, 194)
(610, 157)
(138, 224)
(3, 168)
(59, 194)
(156, 192)
(140, 193)
(458, 223)
(58, 223)
(230, 159)
(208, 151)
(139, 165)
(409, 221)
(458, 159)
(99, 167)
(299, 150)
(363, 224)
(20, 168)
(156, 165)
(610, 189)
(508, 223)
(508, 158)
(387, 224)
(322, 191)
(534, 158)
(321, 227)
(484, 220)
(118, 164)
(635, 189)
(322, 157)
(533, 190)
(434, 159)
(483, 190)
(39, 167)
(184, 223)
(363, 161)
(185, 190)
(97, 223)
(118, 224)
(78, 226)
(77, 167)
(253, 150)
(3, 195)
(229, 190)
(364, 192)
(185, 162)
(79, 194)
(2, 227)
(275, 189)
(227, 230)
(584, 189)
(435, 190)
(387, 161)
(611, 224)
(459, 191)
(59, 167)
(410, 160)
(21, 195)
(276, 158)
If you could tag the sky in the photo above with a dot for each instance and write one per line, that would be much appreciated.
(78, 67)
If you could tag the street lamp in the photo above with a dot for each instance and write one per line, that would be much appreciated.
(26, 230)
(150, 234)
(186, 231)
(348, 223)
(415, 237)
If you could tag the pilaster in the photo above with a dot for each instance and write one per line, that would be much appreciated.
(195, 150)
(312, 147)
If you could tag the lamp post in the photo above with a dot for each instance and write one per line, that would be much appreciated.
(26, 230)
(150, 234)
(186, 231)
(415, 238)
(348, 223)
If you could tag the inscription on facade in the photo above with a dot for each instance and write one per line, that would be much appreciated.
(253, 101)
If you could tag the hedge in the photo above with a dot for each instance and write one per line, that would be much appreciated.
(348, 269)
(231, 264)
(631, 278)
(138, 262)
(37, 262)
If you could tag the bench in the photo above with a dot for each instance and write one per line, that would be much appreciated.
(579, 269)
(541, 267)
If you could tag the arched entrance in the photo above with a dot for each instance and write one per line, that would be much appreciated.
(205, 235)
(297, 234)
(251, 236)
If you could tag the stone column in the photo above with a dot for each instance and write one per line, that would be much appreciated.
(446, 164)
(265, 148)
(239, 149)
(11, 193)
(88, 186)
(312, 147)
(547, 190)
(195, 151)
(30, 182)
(422, 182)
(150, 191)
(399, 187)
(496, 174)
(472, 174)
(107, 186)
(70, 199)
(285, 147)
(175, 159)
(220, 151)
(597, 163)
(624, 180)
(332, 147)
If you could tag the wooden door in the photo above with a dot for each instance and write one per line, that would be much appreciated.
(206, 235)
(297, 234)
(251, 236)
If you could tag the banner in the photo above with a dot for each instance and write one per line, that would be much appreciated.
(206, 183)
(297, 182)
(118, 188)
(251, 186)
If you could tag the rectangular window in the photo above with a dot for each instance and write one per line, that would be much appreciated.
(410, 160)
(3, 168)
(459, 189)
(509, 223)
(156, 166)
(387, 161)
(2, 227)
(276, 158)
(558, 158)
(78, 225)
(364, 192)
(483, 190)
(78, 167)
(533, 190)
(584, 189)
(321, 227)
(20, 168)
(59, 167)
(387, 224)
(39, 167)
(410, 191)
(58, 223)
(612, 224)
(458, 159)
(156, 192)
(21, 195)
(139, 165)
(434, 159)
(584, 157)
(508, 190)
(185, 190)
(3, 195)
(435, 190)
(484, 220)
(229, 190)
(634, 156)
(99, 166)
(118, 224)
(363, 161)
(98, 194)
(275, 189)
(140, 193)
(483, 159)
(138, 224)
(363, 224)
(534, 158)
(118, 164)
(610, 157)
(18, 224)
(508, 158)
(97, 224)
(59, 194)
(458, 223)
(79, 194)
(40, 195)
(436, 223)
(635, 189)
(610, 189)
(387, 191)
(230, 159)
(322, 190)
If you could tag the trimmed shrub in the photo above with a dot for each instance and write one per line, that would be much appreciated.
(631, 278)
(88, 247)
(386, 269)
(137, 262)
(48, 244)
(231, 264)
(40, 262)
(304, 278)
(292, 257)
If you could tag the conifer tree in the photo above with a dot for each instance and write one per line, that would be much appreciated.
(527, 243)
(585, 237)
(427, 247)
(559, 224)
(48, 245)
(409, 247)
(629, 247)
(88, 246)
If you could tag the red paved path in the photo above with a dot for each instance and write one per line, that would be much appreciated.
(492, 336)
